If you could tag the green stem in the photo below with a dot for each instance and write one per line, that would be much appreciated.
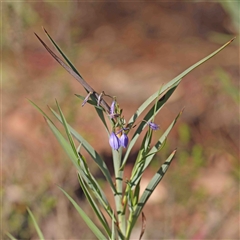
(129, 225)
(117, 158)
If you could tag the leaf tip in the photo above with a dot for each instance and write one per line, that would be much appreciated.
(44, 30)
(182, 110)
(231, 40)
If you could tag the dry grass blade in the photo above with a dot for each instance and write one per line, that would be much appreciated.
(144, 221)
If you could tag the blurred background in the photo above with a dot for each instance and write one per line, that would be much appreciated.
(127, 49)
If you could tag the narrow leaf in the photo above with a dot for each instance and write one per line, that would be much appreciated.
(174, 82)
(148, 117)
(65, 145)
(170, 86)
(10, 236)
(73, 71)
(152, 185)
(113, 226)
(39, 232)
(92, 152)
(78, 78)
(94, 186)
(89, 101)
(136, 176)
(95, 207)
(63, 55)
(83, 169)
(85, 217)
(65, 124)
(41, 111)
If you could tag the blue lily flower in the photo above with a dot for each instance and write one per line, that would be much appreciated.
(124, 140)
(114, 141)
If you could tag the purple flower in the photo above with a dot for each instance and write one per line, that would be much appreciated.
(124, 140)
(112, 109)
(114, 141)
(153, 126)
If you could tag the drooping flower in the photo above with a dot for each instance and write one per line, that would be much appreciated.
(112, 109)
(124, 140)
(153, 126)
(114, 141)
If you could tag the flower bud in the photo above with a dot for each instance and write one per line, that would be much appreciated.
(114, 141)
(124, 140)
(153, 126)
(112, 109)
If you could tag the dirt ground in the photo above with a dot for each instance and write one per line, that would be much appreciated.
(127, 49)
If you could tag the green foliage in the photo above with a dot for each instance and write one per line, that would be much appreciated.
(39, 232)
(128, 202)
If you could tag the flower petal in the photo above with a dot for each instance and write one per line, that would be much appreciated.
(153, 126)
(112, 109)
(124, 140)
(114, 141)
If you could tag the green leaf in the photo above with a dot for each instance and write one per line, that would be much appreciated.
(41, 111)
(162, 139)
(65, 145)
(139, 170)
(151, 187)
(39, 232)
(92, 152)
(148, 117)
(96, 157)
(63, 55)
(154, 182)
(80, 78)
(71, 152)
(101, 116)
(82, 169)
(170, 87)
(94, 186)
(67, 130)
(174, 82)
(85, 217)
(10, 236)
(113, 226)
(95, 208)
(72, 70)
(89, 101)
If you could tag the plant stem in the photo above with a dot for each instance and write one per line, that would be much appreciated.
(117, 158)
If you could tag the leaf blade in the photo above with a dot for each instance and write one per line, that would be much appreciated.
(175, 81)
(151, 186)
(92, 152)
(39, 232)
(85, 217)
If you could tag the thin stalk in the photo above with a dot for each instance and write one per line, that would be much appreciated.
(129, 225)
(117, 158)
